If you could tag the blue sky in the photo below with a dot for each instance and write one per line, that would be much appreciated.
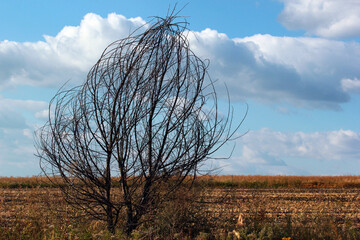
(294, 62)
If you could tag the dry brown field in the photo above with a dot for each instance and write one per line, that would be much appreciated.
(31, 208)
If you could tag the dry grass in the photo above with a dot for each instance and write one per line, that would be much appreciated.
(220, 207)
(41, 213)
(243, 181)
(252, 181)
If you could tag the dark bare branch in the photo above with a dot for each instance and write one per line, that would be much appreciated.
(147, 115)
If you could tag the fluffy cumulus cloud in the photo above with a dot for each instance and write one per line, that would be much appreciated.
(271, 152)
(305, 72)
(325, 18)
(68, 55)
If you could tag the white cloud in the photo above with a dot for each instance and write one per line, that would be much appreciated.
(12, 112)
(331, 145)
(68, 55)
(351, 85)
(266, 151)
(43, 114)
(305, 72)
(325, 18)
(29, 105)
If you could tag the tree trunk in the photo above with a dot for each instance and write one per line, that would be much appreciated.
(110, 220)
(131, 225)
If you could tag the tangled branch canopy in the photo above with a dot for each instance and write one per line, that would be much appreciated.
(146, 112)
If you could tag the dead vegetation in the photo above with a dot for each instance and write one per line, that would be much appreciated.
(315, 208)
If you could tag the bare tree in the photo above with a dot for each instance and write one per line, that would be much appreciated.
(146, 117)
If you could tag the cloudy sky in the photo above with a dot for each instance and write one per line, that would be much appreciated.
(294, 62)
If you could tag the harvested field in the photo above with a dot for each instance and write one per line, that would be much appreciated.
(40, 212)
(286, 202)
